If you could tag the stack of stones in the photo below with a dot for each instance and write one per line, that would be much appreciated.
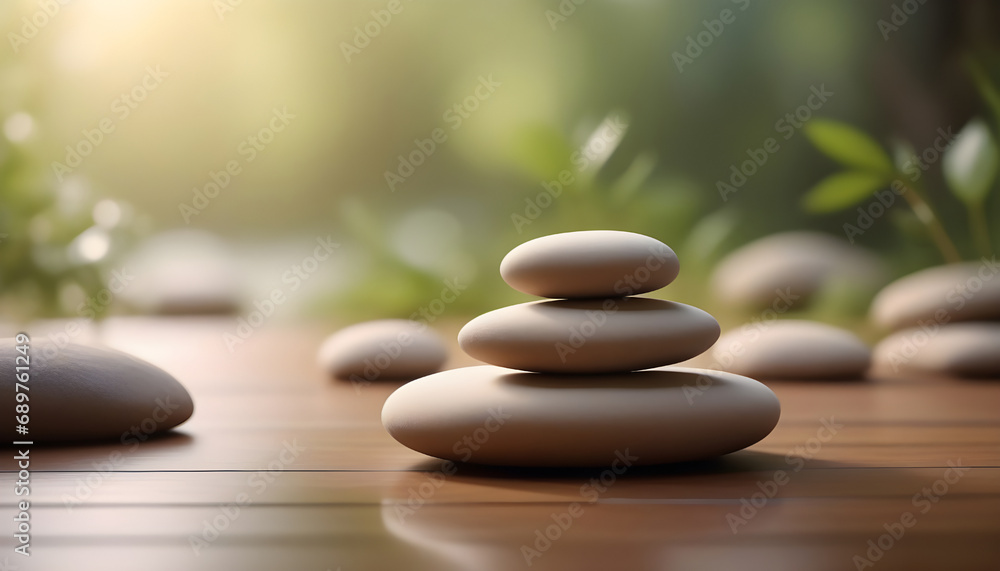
(584, 400)
(944, 320)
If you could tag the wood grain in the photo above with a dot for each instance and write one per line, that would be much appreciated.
(295, 472)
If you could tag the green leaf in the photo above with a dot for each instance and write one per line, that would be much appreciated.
(903, 154)
(848, 145)
(708, 235)
(970, 162)
(841, 190)
(983, 84)
(541, 151)
(603, 141)
(634, 177)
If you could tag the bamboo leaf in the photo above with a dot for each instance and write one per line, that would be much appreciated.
(842, 190)
(970, 163)
(985, 87)
(848, 145)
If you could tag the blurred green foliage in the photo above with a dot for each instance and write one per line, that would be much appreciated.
(455, 216)
(969, 162)
(34, 263)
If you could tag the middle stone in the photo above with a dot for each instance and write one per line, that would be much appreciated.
(589, 336)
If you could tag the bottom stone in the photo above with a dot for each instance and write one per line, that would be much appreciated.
(492, 415)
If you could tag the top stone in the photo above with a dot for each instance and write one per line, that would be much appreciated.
(594, 263)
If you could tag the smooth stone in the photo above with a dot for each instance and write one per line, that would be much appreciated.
(593, 263)
(792, 349)
(492, 415)
(80, 393)
(181, 272)
(383, 349)
(961, 349)
(797, 263)
(942, 294)
(589, 336)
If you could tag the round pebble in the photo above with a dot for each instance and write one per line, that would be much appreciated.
(180, 272)
(942, 294)
(491, 415)
(792, 349)
(383, 349)
(793, 264)
(595, 263)
(589, 336)
(80, 393)
(961, 349)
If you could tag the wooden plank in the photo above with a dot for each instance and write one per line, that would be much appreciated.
(359, 550)
(637, 521)
(815, 533)
(469, 485)
(366, 446)
(354, 496)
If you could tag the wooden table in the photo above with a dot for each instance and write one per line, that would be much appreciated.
(281, 468)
